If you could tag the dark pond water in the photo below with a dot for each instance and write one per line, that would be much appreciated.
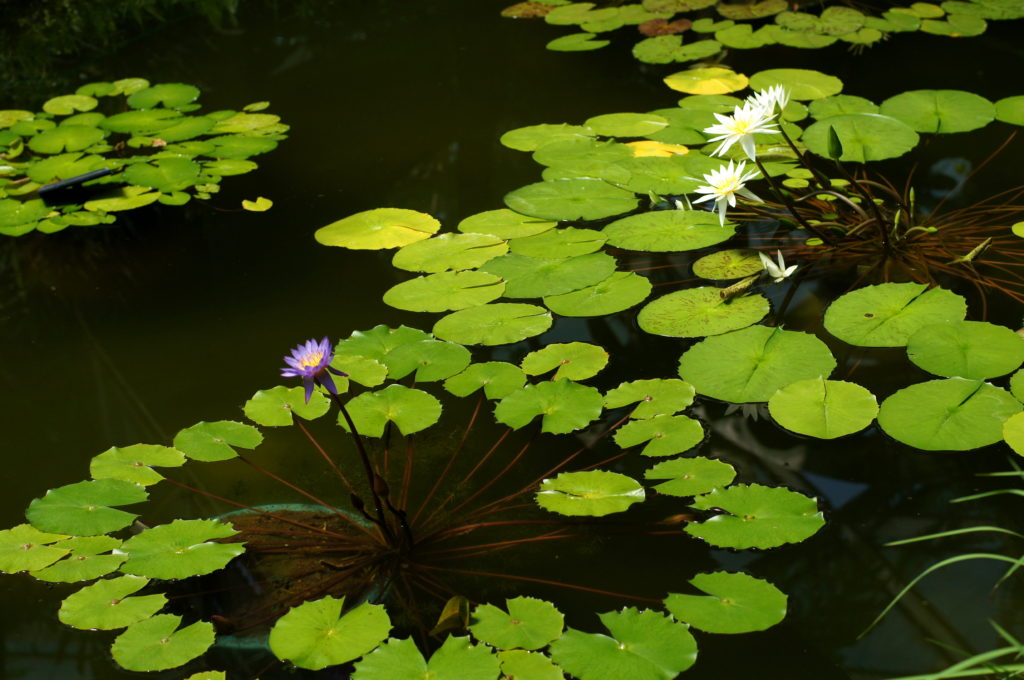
(128, 334)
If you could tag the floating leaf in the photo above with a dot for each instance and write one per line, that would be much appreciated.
(571, 199)
(105, 605)
(431, 359)
(449, 251)
(529, 623)
(558, 243)
(456, 659)
(141, 122)
(713, 80)
(593, 493)
(65, 138)
(378, 229)
(180, 549)
(571, 360)
(728, 264)
(1017, 385)
(493, 324)
(532, 137)
(655, 397)
(576, 42)
(365, 371)
(665, 435)
(170, 95)
(803, 84)
(644, 645)
(691, 476)
(564, 406)
(135, 463)
(966, 349)
(626, 124)
(214, 441)
(864, 136)
(734, 603)
(410, 410)
(378, 342)
(504, 224)
(749, 365)
(886, 315)
(668, 231)
(445, 291)
(532, 277)
(497, 378)
(955, 414)
(823, 408)
(653, 149)
(69, 103)
(940, 111)
(274, 407)
(316, 634)
(839, 104)
(1013, 433)
(523, 665)
(261, 204)
(1009, 110)
(156, 644)
(86, 508)
(616, 293)
(168, 174)
(128, 198)
(25, 548)
(14, 213)
(85, 562)
(755, 516)
(696, 312)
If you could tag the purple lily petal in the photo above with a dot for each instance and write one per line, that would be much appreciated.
(327, 381)
(308, 382)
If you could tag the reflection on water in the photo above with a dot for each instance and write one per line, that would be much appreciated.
(178, 315)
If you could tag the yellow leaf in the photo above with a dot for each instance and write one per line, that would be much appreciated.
(652, 148)
(259, 205)
(714, 80)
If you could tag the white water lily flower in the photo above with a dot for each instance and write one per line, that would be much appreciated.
(741, 126)
(776, 95)
(723, 185)
(779, 272)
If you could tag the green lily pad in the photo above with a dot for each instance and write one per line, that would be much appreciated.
(135, 463)
(749, 365)
(755, 516)
(712, 80)
(665, 435)
(227, 167)
(127, 198)
(456, 659)
(756, 10)
(106, 605)
(169, 174)
(1017, 385)
(493, 324)
(431, 359)
(690, 476)
(14, 213)
(571, 360)
(672, 174)
(86, 508)
(497, 378)
(697, 312)
(529, 623)
(215, 441)
(564, 406)
(365, 371)
(449, 251)
(558, 243)
(583, 157)
(378, 229)
(668, 231)
(9, 117)
(241, 146)
(85, 562)
(170, 95)
(659, 49)
(504, 224)
(837, 20)
(593, 493)
(63, 166)
(523, 665)
(886, 315)
(823, 408)
(840, 104)
(316, 634)
(180, 549)
(248, 123)
(732, 263)
(626, 124)
(1009, 110)
(940, 111)
(65, 138)
(571, 199)
(618, 292)
(69, 103)
(378, 342)
(576, 42)
(644, 645)
(954, 414)
(409, 409)
(734, 603)
(25, 548)
(156, 644)
(445, 291)
(533, 277)
(657, 397)
(865, 137)
(274, 407)
(803, 84)
(955, 25)
(184, 129)
(141, 122)
(532, 137)
(966, 349)
(1013, 433)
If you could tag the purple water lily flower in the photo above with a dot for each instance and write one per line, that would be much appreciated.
(311, 362)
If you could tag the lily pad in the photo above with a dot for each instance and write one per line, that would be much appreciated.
(839, 104)
(316, 634)
(431, 359)
(697, 312)
(86, 508)
(823, 408)
(85, 562)
(576, 42)
(14, 213)
(955, 414)
(864, 136)
(558, 243)
(378, 229)
(1013, 433)
(572, 360)
(713, 80)
(755, 516)
(593, 493)
(378, 342)
(734, 603)
(409, 409)
(180, 549)
(168, 174)
(141, 122)
(106, 605)
(966, 349)
(497, 378)
(532, 137)
(274, 407)
(728, 264)
(505, 224)
(1017, 385)
(940, 111)
(449, 251)
(65, 138)
(169, 95)
(803, 84)
(665, 435)
(755, 10)
(657, 397)
(533, 277)
(215, 441)
(456, 659)
(563, 405)
(529, 623)
(571, 199)
(128, 198)
(493, 324)
(668, 231)
(363, 370)
(25, 548)
(626, 124)
(886, 315)
(618, 292)
(157, 643)
(445, 291)
(691, 476)
(135, 463)
(523, 665)
(1009, 110)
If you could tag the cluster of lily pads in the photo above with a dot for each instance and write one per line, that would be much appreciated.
(151, 141)
(736, 25)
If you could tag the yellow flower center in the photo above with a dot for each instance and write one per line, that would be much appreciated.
(311, 360)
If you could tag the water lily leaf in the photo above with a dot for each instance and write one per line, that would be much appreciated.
(445, 291)
(755, 516)
(886, 315)
(593, 493)
(504, 224)
(362, 370)
(688, 119)
(558, 243)
(626, 124)
(838, 104)
(571, 360)
(85, 562)
(129, 86)
(170, 95)
(25, 548)
(571, 199)
(378, 229)
(14, 213)
(660, 49)
(449, 251)
(86, 508)
(523, 665)
(668, 231)
(228, 166)
(697, 312)
(1009, 110)
(63, 166)
(954, 414)
(564, 406)
(749, 365)
(840, 20)
(65, 138)
(529, 623)
(127, 198)
(316, 634)
(713, 80)
(456, 659)
(497, 378)
(378, 342)
(69, 103)
(156, 644)
(1017, 385)
(894, 22)
(955, 25)
(409, 409)
(261, 204)
(823, 408)
(732, 263)
(653, 149)
(660, 396)
(532, 137)
(803, 84)
(618, 292)
(215, 441)
(493, 324)
(431, 359)
(1013, 433)
(966, 349)
(241, 146)
(141, 122)
(135, 463)
(180, 549)
(576, 42)
(756, 10)
(246, 123)
(665, 435)
(691, 476)
(532, 277)
(744, 37)
(940, 111)
(183, 129)
(9, 117)
(735, 603)
(274, 407)
(105, 605)
(574, 13)
(644, 645)
(865, 137)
